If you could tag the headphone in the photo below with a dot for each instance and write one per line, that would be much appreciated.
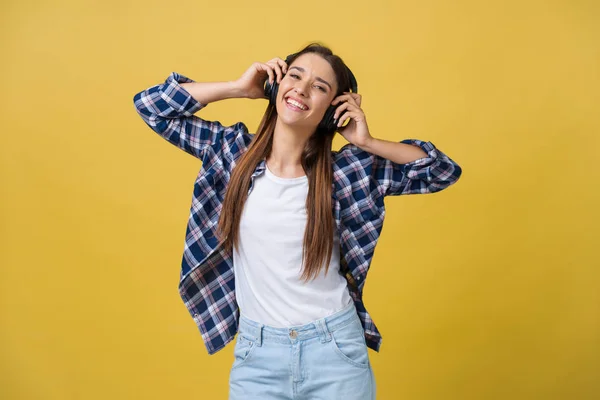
(327, 122)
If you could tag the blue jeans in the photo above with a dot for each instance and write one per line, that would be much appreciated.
(323, 360)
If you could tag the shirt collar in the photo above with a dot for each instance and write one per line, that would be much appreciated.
(260, 167)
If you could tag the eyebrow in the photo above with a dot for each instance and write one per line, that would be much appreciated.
(317, 78)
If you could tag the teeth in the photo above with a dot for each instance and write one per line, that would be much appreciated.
(295, 103)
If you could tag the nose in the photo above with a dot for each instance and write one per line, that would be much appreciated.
(300, 88)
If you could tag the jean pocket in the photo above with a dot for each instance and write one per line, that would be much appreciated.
(350, 345)
(243, 349)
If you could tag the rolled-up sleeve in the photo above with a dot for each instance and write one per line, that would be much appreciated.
(169, 110)
(432, 173)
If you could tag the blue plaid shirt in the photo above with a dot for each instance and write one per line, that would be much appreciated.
(361, 180)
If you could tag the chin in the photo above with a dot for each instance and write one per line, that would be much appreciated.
(292, 120)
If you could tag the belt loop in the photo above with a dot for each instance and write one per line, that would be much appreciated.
(324, 333)
(259, 332)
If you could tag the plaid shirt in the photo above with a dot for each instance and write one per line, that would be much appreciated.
(361, 180)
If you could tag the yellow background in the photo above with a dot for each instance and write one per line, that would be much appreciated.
(488, 290)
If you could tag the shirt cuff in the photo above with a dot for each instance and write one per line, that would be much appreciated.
(425, 168)
(177, 97)
(427, 147)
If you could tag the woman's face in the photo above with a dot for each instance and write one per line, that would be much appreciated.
(306, 91)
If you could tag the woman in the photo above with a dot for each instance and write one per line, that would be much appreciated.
(282, 229)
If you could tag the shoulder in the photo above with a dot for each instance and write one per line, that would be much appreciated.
(236, 137)
(355, 188)
(351, 159)
(228, 144)
(353, 171)
(350, 153)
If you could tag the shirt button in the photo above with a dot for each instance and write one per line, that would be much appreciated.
(293, 334)
(196, 315)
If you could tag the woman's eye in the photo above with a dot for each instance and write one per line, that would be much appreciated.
(321, 88)
(294, 76)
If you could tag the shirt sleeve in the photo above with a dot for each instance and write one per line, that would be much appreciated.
(169, 110)
(429, 174)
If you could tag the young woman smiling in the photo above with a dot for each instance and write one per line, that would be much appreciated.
(282, 229)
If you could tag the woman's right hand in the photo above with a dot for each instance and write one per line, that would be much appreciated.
(252, 82)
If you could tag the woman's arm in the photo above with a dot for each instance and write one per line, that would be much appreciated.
(209, 92)
(400, 153)
(250, 85)
(408, 167)
(169, 108)
(401, 169)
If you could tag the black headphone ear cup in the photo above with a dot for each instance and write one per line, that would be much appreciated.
(327, 122)
(273, 98)
(268, 89)
(271, 91)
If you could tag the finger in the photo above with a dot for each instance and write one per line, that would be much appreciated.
(342, 97)
(343, 118)
(269, 70)
(277, 68)
(277, 60)
(340, 110)
(337, 100)
(280, 63)
(346, 107)
(354, 115)
(357, 98)
(278, 72)
(352, 100)
(283, 65)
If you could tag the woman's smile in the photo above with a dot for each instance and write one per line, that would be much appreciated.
(295, 104)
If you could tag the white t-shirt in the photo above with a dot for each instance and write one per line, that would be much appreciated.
(268, 263)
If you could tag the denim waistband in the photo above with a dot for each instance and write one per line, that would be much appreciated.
(322, 328)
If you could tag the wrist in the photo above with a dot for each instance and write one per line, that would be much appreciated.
(236, 90)
(367, 145)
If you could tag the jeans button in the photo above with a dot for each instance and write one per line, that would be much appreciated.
(293, 334)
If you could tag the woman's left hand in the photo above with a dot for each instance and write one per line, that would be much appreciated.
(357, 131)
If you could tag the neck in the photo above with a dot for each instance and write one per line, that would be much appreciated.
(286, 152)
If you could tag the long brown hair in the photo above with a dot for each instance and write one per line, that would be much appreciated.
(316, 162)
